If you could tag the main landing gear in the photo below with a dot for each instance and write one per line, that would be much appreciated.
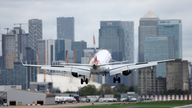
(116, 79)
(84, 80)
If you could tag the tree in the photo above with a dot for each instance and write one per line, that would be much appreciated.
(106, 89)
(121, 88)
(88, 90)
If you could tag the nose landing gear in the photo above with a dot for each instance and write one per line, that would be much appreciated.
(116, 79)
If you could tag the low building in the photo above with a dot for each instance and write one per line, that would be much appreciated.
(41, 86)
(177, 77)
(146, 84)
(15, 96)
(190, 72)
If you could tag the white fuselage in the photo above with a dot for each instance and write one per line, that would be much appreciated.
(100, 58)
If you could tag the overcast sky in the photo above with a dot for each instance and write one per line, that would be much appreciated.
(89, 13)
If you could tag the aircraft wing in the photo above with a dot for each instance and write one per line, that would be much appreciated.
(119, 68)
(81, 70)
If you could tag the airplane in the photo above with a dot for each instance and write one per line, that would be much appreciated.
(99, 65)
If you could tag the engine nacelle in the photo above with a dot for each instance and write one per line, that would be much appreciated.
(127, 72)
(74, 74)
(94, 67)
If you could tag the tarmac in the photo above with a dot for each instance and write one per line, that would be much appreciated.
(67, 105)
(186, 106)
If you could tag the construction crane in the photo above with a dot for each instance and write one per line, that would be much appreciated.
(20, 24)
(7, 30)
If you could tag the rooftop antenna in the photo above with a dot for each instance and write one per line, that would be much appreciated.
(20, 24)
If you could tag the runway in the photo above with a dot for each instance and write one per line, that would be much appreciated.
(68, 105)
(186, 106)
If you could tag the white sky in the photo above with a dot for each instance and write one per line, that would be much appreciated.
(89, 13)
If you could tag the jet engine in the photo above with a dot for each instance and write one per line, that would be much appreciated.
(75, 74)
(126, 72)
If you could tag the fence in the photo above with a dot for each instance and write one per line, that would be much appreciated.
(166, 97)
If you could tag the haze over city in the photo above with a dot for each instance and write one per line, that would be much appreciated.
(89, 13)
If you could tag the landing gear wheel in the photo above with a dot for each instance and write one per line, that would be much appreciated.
(114, 80)
(119, 80)
(86, 81)
(82, 81)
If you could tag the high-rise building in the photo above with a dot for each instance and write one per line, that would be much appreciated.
(118, 38)
(62, 47)
(173, 30)
(78, 47)
(147, 28)
(41, 52)
(65, 28)
(158, 40)
(15, 45)
(155, 48)
(50, 51)
(46, 52)
(35, 32)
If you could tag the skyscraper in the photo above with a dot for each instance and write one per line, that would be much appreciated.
(61, 47)
(15, 45)
(46, 51)
(173, 30)
(78, 47)
(65, 28)
(117, 37)
(155, 48)
(35, 32)
(158, 40)
(147, 28)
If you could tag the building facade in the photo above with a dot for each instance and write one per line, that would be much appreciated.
(117, 37)
(62, 48)
(147, 83)
(147, 28)
(16, 47)
(35, 32)
(65, 28)
(177, 75)
(77, 48)
(46, 51)
(158, 40)
(172, 29)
